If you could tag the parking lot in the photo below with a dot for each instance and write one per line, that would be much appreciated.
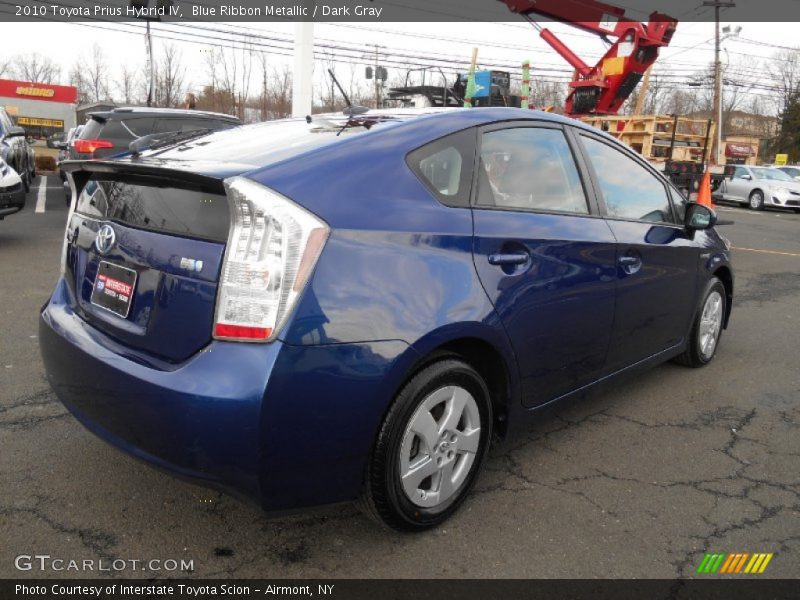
(639, 481)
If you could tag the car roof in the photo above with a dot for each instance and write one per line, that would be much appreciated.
(144, 111)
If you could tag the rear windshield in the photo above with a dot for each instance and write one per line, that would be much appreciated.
(141, 204)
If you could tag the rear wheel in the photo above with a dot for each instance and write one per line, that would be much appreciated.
(756, 200)
(430, 447)
(707, 327)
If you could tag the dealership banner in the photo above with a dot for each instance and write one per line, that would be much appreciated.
(373, 11)
(407, 589)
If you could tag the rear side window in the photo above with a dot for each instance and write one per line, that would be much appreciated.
(529, 168)
(445, 167)
(188, 212)
(629, 189)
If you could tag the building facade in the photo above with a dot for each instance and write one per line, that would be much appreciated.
(42, 109)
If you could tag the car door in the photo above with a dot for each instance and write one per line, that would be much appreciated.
(657, 260)
(544, 256)
(738, 187)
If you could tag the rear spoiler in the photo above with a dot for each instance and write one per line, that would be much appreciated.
(213, 183)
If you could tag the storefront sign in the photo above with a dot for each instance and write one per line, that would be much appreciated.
(31, 121)
(10, 88)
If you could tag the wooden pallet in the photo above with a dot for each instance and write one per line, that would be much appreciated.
(650, 135)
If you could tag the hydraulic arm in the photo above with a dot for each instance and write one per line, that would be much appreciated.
(603, 88)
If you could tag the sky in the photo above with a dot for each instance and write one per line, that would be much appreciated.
(510, 43)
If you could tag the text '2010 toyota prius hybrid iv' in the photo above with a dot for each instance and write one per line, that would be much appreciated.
(327, 309)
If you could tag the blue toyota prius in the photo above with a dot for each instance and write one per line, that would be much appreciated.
(334, 308)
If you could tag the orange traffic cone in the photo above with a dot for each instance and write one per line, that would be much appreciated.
(704, 193)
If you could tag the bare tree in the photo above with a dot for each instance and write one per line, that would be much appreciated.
(34, 68)
(126, 85)
(784, 70)
(95, 71)
(169, 78)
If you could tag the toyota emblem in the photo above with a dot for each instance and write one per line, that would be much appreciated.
(105, 240)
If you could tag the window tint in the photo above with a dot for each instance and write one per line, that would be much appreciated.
(529, 168)
(630, 190)
(138, 127)
(445, 166)
(173, 124)
(166, 209)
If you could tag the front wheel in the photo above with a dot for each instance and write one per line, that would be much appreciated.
(430, 447)
(707, 327)
(756, 200)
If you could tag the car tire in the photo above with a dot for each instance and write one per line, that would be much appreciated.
(25, 176)
(756, 200)
(707, 327)
(430, 447)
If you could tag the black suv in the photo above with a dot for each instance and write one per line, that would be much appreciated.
(14, 149)
(111, 132)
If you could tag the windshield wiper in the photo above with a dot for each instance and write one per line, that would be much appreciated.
(158, 140)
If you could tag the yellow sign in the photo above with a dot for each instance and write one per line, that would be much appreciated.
(781, 159)
(613, 66)
(35, 91)
(40, 122)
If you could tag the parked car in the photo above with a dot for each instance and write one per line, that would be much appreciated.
(15, 150)
(302, 317)
(56, 139)
(12, 191)
(793, 172)
(111, 132)
(63, 149)
(758, 187)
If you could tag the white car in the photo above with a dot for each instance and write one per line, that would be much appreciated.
(12, 193)
(758, 187)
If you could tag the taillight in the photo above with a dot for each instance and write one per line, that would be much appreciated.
(89, 146)
(273, 245)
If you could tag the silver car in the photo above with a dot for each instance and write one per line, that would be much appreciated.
(758, 187)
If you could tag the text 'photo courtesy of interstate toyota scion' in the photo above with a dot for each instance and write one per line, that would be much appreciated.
(353, 308)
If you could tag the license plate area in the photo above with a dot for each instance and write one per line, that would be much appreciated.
(113, 288)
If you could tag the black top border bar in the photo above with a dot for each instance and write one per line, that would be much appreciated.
(374, 11)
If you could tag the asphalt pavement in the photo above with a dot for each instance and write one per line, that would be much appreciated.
(639, 481)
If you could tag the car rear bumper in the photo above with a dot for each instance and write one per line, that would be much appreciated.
(286, 426)
(199, 419)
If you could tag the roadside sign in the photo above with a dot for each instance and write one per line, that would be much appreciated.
(781, 159)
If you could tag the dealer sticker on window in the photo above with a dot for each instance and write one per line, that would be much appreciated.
(113, 288)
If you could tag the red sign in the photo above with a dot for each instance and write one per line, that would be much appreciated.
(10, 88)
(739, 150)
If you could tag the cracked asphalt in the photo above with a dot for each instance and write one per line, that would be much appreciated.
(638, 481)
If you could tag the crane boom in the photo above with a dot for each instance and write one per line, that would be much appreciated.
(603, 88)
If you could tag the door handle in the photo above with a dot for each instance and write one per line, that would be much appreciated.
(516, 258)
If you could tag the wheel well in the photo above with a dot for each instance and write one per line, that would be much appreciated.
(753, 191)
(725, 276)
(489, 363)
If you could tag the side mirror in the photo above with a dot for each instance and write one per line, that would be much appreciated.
(698, 217)
(16, 132)
(747, 177)
(60, 145)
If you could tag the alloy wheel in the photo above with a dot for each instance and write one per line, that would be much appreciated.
(710, 324)
(439, 446)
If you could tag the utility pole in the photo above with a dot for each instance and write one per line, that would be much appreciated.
(717, 4)
(149, 42)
